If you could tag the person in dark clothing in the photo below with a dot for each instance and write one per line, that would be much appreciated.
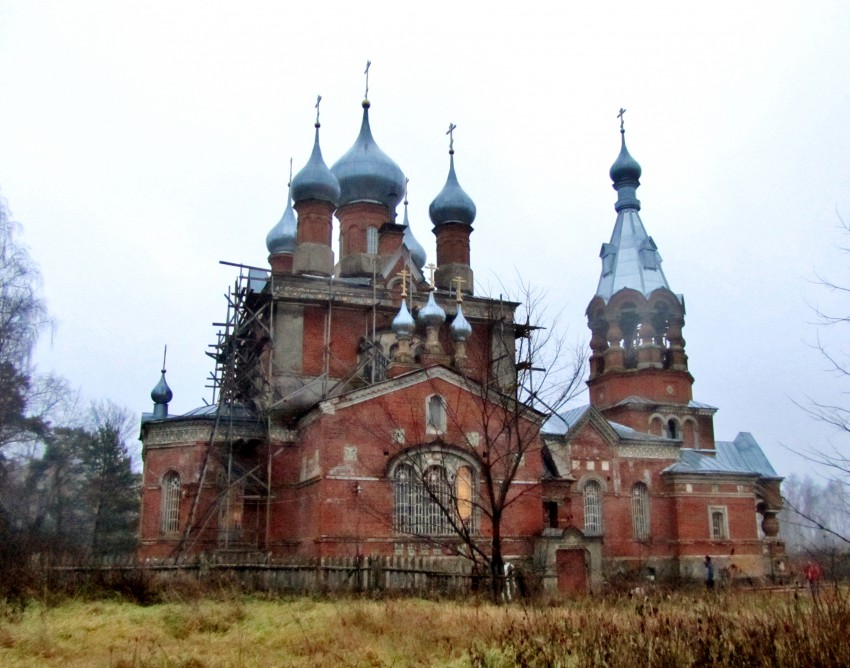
(709, 573)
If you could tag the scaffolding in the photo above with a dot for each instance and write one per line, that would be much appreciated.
(240, 392)
(243, 395)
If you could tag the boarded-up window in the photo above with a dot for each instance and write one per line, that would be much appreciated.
(464, 489)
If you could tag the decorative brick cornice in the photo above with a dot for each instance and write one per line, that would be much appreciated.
(165, 434)
(648, 451)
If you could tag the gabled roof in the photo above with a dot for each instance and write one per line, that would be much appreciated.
(743, 456)
(564, 423)
(415, 377)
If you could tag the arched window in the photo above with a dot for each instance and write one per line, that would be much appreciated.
(436, 415)
(429, 501)
(372, 240)
(673, 428)
(640, 511)
(170, 517)
(593, 508)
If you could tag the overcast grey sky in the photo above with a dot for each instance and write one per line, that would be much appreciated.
(141, 143)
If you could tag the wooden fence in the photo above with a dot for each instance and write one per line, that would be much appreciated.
(414, 575)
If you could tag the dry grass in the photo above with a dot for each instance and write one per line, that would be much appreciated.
(730, 630)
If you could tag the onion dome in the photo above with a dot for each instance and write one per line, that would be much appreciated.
(452, 205)
(417, 252)
(366, 173)
(460, 329)
(432, 315)
(625, 168)
(625, 173)
(403, 323)
(281, 238)
(162, 394)
(315, 180)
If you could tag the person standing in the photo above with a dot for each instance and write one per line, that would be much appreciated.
(709, 573)
(813, 573)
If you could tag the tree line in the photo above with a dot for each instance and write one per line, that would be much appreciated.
(67, 485)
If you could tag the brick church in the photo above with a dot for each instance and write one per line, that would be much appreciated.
(370, 404)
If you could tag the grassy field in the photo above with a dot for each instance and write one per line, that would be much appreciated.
(698, 629)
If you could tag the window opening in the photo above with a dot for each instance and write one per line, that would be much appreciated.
(593, 508)
(372, 240)
(640, 511)
(551, 510)
(170, 502)
(673, 428)
(719, 528)
(426, 502)
(436, 418)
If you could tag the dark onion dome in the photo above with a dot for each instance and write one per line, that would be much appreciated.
(432, 314)
(452, 205)
(403, 323)
(625, 170)
(366, 173)
(162, 394)
(281, 238)
(315, 180)
(417, 252)
(460, 329)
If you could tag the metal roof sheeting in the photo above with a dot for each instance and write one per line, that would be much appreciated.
(627, 268)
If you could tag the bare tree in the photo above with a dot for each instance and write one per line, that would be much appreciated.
(834, 460)
(22, 316)
(457, 492)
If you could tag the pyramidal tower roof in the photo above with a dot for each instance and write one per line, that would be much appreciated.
(631, 258)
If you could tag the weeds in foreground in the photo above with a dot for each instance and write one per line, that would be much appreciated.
(700, 629)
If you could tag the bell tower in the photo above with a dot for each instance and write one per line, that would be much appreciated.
(638, 367)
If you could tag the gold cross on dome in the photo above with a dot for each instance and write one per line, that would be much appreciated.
(451, 134)
(620, 116)
(431, 267)
(404, 275)
(318, 101)
(458, 281)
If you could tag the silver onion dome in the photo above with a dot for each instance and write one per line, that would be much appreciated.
(460, 329)
(281, 238)
(367, 174)
(417, 252)
(161, 393)
(625, 173)
(452, 205)
(403, 323)
(625, 169)
(315, 180)
(432, 314)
